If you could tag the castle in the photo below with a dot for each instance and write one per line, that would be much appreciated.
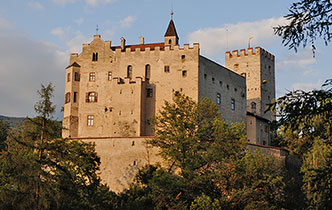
(112, 92)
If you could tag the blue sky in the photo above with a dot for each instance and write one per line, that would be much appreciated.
(36, 38)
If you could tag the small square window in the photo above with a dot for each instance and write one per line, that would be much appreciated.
(92, 76)
(183, 57)
(149, 92)
(184, 73)
(90, 120)
(166, 69)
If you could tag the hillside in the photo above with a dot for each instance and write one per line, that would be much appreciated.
(13, 121)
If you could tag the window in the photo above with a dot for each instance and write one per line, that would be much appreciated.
(130, 72)
(90, 120)
(233, 104)
(266, 129)
(253, 107)
(227, 87)
(92, 76)
(149, 93)
(170, 41)
(205, 76)
(75, 97)
(166, 69)
(109, 75)
(184, 73)
(94, 56)
(236, 66)
(77, 76)
(218, 98)
(183, 57)
(212, 80)
(147, 71)
(67, 98)
(220, 83)
(68, 77)
(91, 97)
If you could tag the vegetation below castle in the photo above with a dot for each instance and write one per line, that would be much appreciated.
(207, 164)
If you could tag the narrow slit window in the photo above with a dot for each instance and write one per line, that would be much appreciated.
(218, 98)
(67, 98)
(233, 104)
(147, 71)
(184, 73)
(75, 97)
(130, 71)
(109, 75)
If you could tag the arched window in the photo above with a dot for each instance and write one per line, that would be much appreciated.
(147, 71)
(253, 107)
(130, 71)
(170, 41)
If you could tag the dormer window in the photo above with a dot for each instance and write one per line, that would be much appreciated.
(95, 56)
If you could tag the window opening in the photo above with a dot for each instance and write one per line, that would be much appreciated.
(75, 97)
(218, 98)
(91, 97)
(67, 98)
(147, 71)
(184, 73)
(149, 92)
(109, 75)
(77, 76)
(90, 120)
(233, 104)
(130, 71)
(92, 76)
(166, 69)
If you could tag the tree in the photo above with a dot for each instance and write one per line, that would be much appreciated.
(206, 164)
(4, 131)
(317, 180)
(39, 170)
(307, 20)
(304, 116)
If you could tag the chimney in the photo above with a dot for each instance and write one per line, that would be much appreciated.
(123, 43)
(141, 40)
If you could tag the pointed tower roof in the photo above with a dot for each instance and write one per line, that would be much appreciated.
(171, 31)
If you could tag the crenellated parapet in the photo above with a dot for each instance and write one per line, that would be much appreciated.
(257, 51)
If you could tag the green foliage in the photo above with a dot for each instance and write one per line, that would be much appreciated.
(4, 131)
(317, 179)
(205, 202)
(39, 170)
(207, 166)
(304, 116)
(307, 21)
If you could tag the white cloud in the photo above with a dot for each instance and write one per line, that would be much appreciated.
(302, 62)
(307, 86)
(127, 22)
(75, 44)
(35, 5)
(63, 2)
(59, 32)
(79, 21)
(233, 36)
(93, 3)
(23, 69)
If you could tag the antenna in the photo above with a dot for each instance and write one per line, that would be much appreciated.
(97, 29)
(227, 47)
(172, 11)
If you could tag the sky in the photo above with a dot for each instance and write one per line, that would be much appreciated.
(37, 37)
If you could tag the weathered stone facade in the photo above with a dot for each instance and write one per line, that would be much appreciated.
(112, 92)
(257, 66)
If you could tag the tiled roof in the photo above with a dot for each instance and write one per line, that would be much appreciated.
(171, 31)
(74, 65)
(152, 46)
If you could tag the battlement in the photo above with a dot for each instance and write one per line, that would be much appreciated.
(127, 80)
(257, 51)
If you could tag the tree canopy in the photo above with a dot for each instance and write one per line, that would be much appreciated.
(307, 21)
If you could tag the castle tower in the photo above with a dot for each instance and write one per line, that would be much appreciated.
(258, 67)
(171, 37)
